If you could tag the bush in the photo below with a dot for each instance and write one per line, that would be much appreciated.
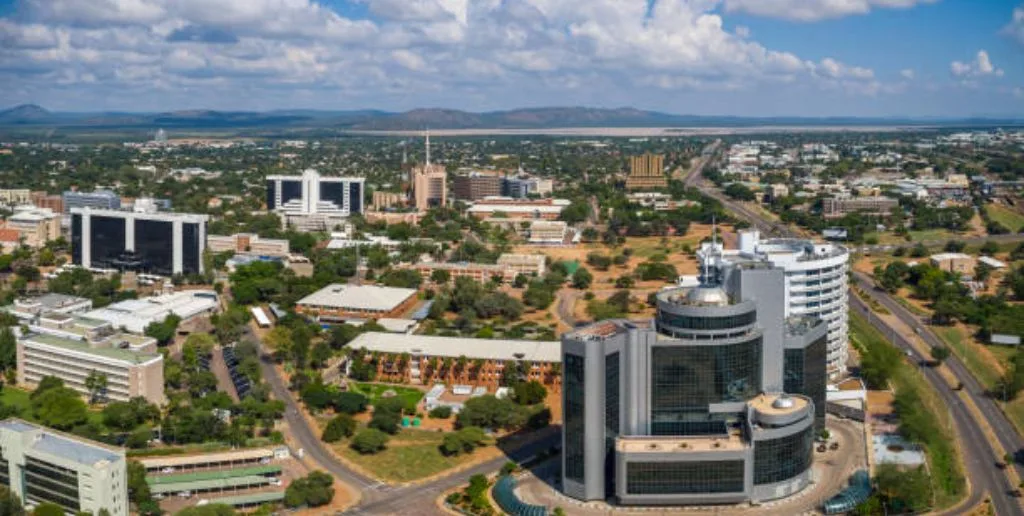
(350, 402)
(464, 440)
(529, 393)
(369, 441)
(343, 425)
(313, 490)
(441, 412)
(386, 421)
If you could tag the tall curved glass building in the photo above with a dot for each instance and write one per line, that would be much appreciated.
(715, 400)
(816, 282)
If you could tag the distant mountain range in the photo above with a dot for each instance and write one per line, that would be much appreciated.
(31, 115)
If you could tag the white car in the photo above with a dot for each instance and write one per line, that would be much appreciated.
(167, 470)
(185, 494)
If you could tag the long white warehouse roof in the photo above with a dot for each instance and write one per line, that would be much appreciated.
(358, 297)
(488, 349)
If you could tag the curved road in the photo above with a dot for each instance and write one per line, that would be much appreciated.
(979, 456)
(376, 497)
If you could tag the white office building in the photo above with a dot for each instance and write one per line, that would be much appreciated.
(315, 202)
(816, 281)
(40, 465)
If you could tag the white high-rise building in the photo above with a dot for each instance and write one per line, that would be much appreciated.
(315, 202)
(816, 281)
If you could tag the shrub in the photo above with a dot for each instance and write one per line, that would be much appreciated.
(463, 441)
(386, 421)
(369, 441)
(343, 425)
(350, 402)
(441, 412)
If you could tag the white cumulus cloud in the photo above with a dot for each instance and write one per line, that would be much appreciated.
(907, 73)
(816, 10)
(979, 67)
(1015, 29)
(502, 52)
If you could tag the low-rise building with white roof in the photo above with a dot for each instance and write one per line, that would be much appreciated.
(338, 302)
(433, 359)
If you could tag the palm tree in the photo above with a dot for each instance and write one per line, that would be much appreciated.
(478, 365)
(461, 366)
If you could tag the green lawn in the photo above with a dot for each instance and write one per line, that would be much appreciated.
(375, 391)
(17, 398)
(1008, 217)
(943, 461)
(410, 455)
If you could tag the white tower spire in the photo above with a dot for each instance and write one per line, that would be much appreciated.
(428, 147)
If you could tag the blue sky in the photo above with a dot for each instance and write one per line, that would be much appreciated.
(709, 57)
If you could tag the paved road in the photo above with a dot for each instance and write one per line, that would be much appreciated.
(979, 457)
(378, 498)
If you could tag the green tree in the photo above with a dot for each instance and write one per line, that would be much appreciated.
(8, 349)
(529, 393)
(940, 353)
(10, 504)
(440, 276)
(163, 331)
(369, 440)
(48, 509)
(989, 248)
(313, 490)
(464, 440)
(96, 383)
(341, 426)
(582, 278)
(61, 408)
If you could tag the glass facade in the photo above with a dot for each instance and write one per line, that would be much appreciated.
(5, 471)
(804, 372)
(333, 192)
(784, 458)
(151, 239)
(686, 322)
(355, 197)
(190, 255)
(611, 417)
(107, 240)
(271, 194)
(290, 190)
(669, 478)
(574, 392)
(76, 239)
(686, 379)
(46, 482)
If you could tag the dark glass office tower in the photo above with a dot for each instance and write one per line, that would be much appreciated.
(151, 249)
(291, 190)
(716, 400)
(156, 243)
(107, 237)
(271, 195)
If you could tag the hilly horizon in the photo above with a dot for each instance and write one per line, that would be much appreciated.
(34, 115)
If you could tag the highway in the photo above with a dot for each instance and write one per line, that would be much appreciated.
(980, 458)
